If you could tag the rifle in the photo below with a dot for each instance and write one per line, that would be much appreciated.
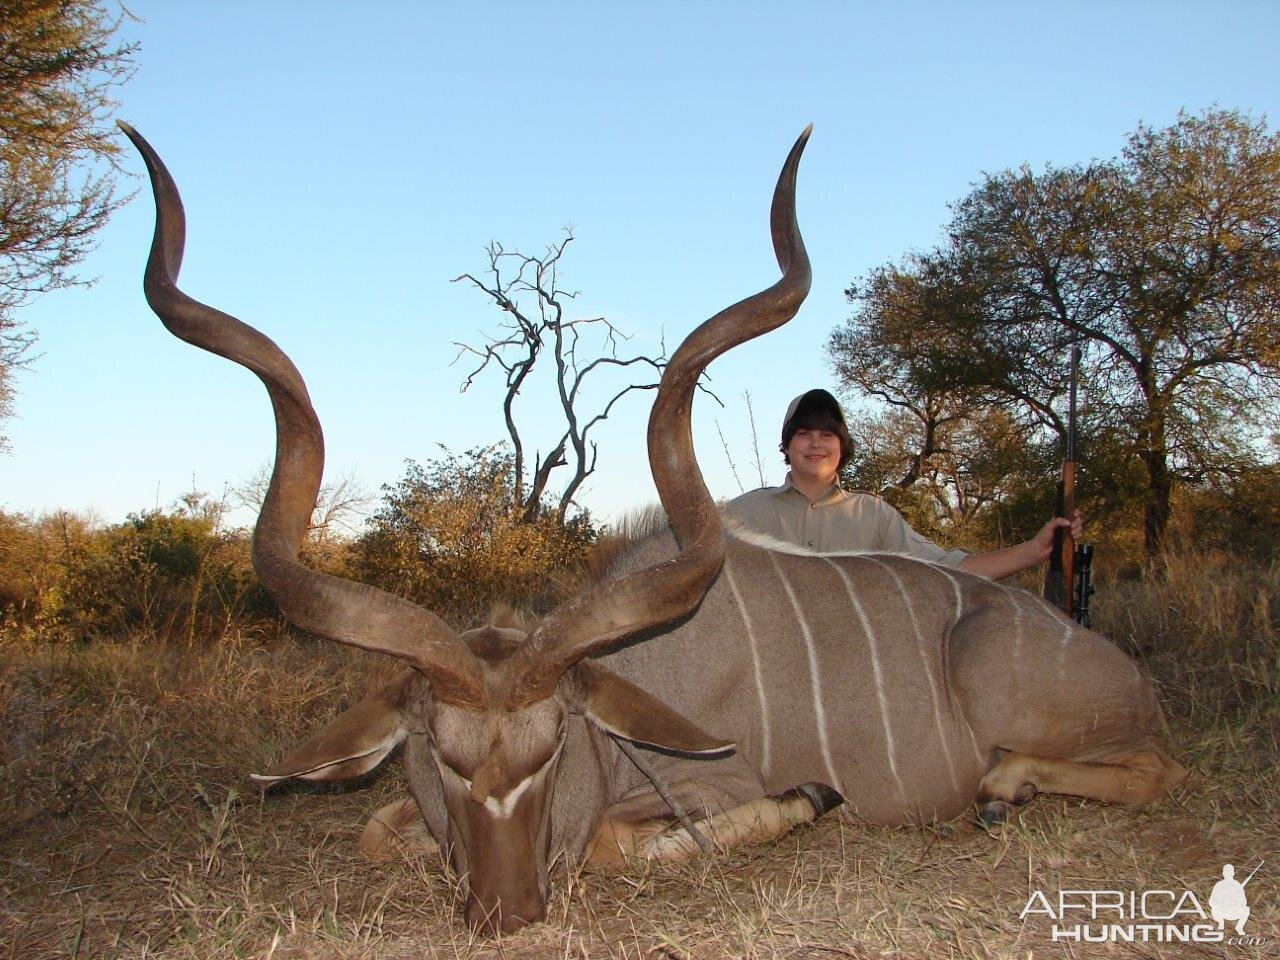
(1067, 583)
(1084, 582)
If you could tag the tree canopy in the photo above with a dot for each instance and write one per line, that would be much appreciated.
(1162, 264)
(59, 63)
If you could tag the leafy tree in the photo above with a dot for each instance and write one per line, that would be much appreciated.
(59, 63)
(1239, 513)
(1162, 264)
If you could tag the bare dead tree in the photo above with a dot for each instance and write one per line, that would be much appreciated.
(526, 288)
(342, 503)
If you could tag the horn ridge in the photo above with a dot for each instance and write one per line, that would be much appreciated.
(608, 612)
(344, 610)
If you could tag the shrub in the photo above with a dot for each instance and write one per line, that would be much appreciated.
(171, 572)
(451, 537)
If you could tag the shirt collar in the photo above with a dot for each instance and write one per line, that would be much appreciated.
(834, 494)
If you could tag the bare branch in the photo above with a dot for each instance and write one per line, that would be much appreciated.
(728, 455)
(755, 438)
(541, 474)
(527, 291)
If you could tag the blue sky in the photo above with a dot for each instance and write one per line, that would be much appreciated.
(340, 163)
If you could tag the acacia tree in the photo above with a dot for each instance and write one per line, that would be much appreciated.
(59, 63)
(527, 289)
(959, 468)
(1163, 265)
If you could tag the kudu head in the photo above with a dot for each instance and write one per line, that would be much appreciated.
(492, 704)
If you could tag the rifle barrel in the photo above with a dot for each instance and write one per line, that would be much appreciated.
(1255, 870)
(1068, 547)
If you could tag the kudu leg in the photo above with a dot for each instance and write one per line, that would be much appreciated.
(619, 840)
(1134, 778)
(397, 828)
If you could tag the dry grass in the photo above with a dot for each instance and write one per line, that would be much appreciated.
(128, 827)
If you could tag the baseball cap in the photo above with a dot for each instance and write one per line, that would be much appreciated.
(813, 401)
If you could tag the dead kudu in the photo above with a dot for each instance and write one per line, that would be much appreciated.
(910, 690)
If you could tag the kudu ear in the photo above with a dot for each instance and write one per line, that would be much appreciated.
(625, 710)
(352, 743)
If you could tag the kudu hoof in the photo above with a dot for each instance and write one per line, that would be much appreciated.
(821, 797)
(993, 813)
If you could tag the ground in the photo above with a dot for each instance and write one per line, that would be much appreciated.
(128, 828)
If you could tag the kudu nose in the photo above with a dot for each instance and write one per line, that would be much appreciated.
(504, 916)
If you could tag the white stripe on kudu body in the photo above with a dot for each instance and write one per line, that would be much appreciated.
(955, 584)
(1062, 651)
(878, 677)
(928, 672)
(815, 681)
(1012, 594)
(766, 760)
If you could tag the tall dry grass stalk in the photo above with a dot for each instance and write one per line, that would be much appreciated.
(1211, 607)
(128, 827)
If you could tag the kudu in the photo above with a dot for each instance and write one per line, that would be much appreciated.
(912, 690)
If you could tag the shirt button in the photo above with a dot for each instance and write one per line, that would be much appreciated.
(811, 543)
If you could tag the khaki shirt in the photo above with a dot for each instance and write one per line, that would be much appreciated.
(837, 521)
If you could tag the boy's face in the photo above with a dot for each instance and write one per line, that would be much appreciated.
(814, 455)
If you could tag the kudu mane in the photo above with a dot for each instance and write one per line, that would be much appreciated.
(621, 539)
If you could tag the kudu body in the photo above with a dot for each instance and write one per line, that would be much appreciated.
(910, 689)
